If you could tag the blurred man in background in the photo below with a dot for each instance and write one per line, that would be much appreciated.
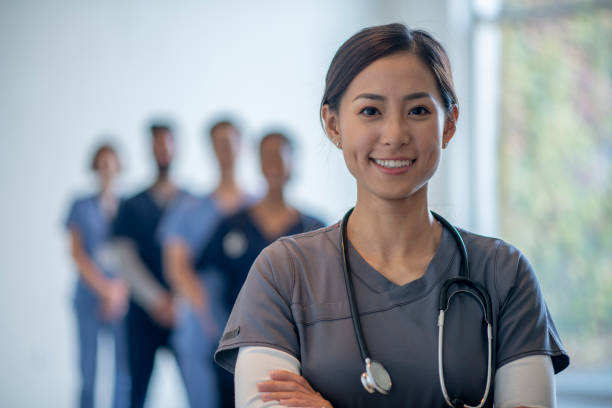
(151, 313)
(184, 232)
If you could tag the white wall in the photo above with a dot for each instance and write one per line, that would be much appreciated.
(72, 70)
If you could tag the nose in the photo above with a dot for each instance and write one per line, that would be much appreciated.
(395, 132)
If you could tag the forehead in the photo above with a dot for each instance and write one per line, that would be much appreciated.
(273, 144)
(394, 75)
(162, 135)
(223, 130)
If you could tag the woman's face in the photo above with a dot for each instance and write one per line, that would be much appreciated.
(107, 166)
(391, 124)
(226, 142)
(275, 162)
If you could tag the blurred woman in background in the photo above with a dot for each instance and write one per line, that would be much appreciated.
(239, 238)
(100, 299)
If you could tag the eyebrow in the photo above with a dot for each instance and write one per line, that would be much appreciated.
(377, 97)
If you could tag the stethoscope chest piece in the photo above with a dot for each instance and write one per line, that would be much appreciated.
(375, 378)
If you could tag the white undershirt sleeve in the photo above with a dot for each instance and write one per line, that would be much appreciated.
(253, 366)
(528, 381)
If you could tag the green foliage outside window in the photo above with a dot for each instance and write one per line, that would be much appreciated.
(556, 168)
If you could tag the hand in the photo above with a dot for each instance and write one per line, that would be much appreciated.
(291, 390)
(163, 310)
(115, 300)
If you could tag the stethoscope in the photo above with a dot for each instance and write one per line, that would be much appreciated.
(376, 377)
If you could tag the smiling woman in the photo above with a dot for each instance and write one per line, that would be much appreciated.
(302, 328)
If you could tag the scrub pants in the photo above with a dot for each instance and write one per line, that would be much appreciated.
(194, 352)
(145, 337)
(90, 324)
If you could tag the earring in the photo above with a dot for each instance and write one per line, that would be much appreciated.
(337, 143)
(444, 145)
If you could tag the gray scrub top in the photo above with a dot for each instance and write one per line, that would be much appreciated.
(295, 300)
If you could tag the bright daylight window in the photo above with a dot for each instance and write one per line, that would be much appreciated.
(555, 168)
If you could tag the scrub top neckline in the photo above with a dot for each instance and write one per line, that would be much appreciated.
(287, 231)
(437, 270)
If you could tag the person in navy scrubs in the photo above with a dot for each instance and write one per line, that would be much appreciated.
(100, 297)
(239, 238)
(150, 316)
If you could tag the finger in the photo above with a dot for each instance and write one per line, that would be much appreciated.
(298, 399)
(283, 375)
(280, 386)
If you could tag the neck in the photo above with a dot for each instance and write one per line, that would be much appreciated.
(389, 230)
(274, 198)
(106, 189)
(227, 181)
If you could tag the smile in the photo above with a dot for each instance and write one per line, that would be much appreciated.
(393, 164)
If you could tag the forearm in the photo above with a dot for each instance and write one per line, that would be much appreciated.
(145, 289)
(182, 276)
(87, 269)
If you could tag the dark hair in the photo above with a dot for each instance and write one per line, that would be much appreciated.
(160, 127)
(220, 123)
(373, 43)
(103, 148)
(276, 134)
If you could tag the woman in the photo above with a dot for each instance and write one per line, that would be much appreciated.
(101, 297)
(389, 105)
(239, 238)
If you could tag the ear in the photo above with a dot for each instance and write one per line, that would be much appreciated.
(450, 125)
(330, 122)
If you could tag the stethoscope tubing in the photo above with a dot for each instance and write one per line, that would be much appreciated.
(470, 287)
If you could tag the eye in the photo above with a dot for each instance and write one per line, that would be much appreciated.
(418, 111)
(370, 111)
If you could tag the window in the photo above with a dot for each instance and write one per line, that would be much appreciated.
(554, 170)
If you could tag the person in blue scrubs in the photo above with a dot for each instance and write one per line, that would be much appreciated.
(150, 315)
(184, 232)
(100, 298)
(239, 238)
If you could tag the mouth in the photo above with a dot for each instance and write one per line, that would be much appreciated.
(393, 163)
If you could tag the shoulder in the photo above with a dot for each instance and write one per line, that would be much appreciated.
(500, 262)
(311, 222)
(82, 201)
(311, 242)
(135, 199)
(299, 253)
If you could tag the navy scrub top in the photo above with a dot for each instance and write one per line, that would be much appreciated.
(236, 243)
(137, 219)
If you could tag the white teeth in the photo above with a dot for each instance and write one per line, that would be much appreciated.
(392, 164)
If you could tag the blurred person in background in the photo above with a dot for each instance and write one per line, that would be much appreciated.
(239, 238)
(184, 232)
(150, 316)
(100, 299)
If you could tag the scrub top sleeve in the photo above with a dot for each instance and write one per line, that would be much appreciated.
(525, 326)
(262, 314)
(73, 219)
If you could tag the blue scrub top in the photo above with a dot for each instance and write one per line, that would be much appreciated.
(87, 217)
(235, 244)
(192, 220)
